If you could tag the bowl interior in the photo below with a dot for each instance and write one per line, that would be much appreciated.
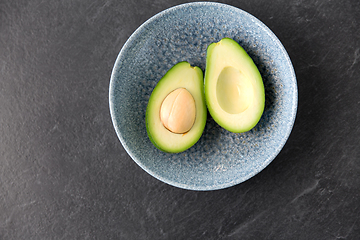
(220, 158)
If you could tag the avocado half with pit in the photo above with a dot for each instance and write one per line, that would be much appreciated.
(176, 112)
(234, 90)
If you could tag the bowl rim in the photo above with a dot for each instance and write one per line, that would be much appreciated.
(195, 187)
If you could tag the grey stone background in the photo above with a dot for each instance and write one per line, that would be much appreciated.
(65, 175)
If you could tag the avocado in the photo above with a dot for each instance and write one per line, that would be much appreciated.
(234, 90)
(176, 112)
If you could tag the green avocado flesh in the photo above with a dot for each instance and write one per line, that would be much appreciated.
(234, 90)
(180, 76)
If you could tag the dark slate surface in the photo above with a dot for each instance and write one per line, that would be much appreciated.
(65, 175)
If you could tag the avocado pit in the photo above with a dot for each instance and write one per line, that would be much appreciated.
(177, 111)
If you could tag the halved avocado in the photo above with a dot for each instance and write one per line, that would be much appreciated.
(234, 90)
(176, 112)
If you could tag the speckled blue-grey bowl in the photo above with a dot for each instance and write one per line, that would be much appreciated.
(220, 158)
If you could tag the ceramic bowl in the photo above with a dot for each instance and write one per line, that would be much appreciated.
(220, 158)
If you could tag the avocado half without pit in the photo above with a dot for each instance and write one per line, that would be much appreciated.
(234, 90)
(176, 112)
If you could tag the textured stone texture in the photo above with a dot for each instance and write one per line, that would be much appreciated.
(220, 158)
(65, 175)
